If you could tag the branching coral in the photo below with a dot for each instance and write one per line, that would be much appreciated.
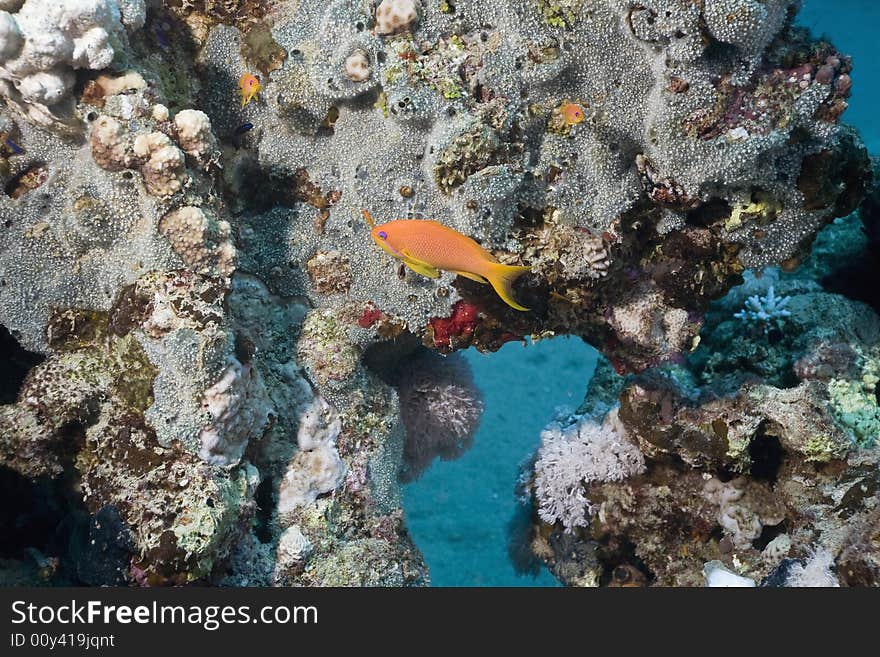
(765, 310)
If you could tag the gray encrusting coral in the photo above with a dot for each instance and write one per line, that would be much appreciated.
(227, 351)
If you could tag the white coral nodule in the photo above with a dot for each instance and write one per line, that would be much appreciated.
(395, 16)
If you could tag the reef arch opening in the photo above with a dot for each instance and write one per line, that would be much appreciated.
(459, 513)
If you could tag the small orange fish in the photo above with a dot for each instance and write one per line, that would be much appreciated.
(427, 246)
(572, 113)
(249, 86)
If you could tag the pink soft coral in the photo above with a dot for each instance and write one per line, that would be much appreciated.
(440, 407)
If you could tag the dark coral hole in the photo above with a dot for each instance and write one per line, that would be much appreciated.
(15, 363)
(766, 453)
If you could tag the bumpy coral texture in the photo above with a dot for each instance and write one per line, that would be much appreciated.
(194, 133)
(204, 242)
(43, 42)
(396, 15)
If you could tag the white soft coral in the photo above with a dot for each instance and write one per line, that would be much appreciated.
(575, 454)
(817, 571)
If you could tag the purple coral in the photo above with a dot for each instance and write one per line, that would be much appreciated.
(440, 407)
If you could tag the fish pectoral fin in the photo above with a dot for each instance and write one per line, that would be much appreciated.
(420, 267)
(424, 270)
(473, 277)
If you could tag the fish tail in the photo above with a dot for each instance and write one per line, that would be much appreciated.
(502, 277)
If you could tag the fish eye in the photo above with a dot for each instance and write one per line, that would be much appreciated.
(383, 234)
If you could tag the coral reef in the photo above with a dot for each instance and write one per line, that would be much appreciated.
(222, 343)
(759, 455)
(750, 503)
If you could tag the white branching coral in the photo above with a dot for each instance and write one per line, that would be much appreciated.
(574, 455)
(764, 309)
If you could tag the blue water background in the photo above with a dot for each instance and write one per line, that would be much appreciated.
(458, 511)
(852, 27)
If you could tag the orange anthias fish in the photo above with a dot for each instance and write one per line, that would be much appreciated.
(249, 86)
(428, 246)
(572, 113)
